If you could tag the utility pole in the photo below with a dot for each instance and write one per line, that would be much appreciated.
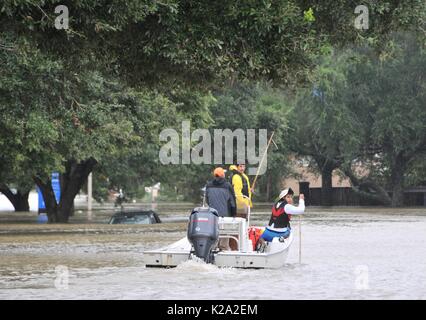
(89, 197)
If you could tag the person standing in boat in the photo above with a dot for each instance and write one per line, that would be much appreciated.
(241, 185)
(219, 194)
(283, 209)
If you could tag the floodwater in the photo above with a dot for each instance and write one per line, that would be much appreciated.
(347, 253)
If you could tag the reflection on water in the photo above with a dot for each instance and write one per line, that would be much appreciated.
(364, 253)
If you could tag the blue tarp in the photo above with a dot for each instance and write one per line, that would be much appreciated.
(56, 186)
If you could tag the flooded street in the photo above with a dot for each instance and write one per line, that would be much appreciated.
(347, 253)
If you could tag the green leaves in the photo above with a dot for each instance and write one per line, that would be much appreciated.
(368, 108)
(52, 113)
(127, 69)
(308, 15)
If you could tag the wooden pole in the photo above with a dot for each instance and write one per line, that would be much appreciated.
(300, 239)
(89, 196)
(261, 161)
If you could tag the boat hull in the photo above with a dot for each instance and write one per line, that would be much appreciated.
(179, 252)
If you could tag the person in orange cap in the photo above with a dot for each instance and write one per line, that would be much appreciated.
(219, 172)
(220, 195)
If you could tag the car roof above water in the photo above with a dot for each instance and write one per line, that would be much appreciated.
(132, 213)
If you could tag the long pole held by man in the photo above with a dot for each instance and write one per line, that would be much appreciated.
(261, 161)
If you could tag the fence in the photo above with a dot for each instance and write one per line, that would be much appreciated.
(348, 197)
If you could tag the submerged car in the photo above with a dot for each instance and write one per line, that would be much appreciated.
(135, 217)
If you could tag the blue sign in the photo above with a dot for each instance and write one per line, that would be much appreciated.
(41, 204)
(56, 186)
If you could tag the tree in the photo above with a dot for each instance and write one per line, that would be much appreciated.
(13, 181)
(416, 175)
(137, 168)
(66, 94)
(61, 121)
(197, 43)
(367, 113)
(68, 79)
(391, 91)
(324, 128)
(258, 106)
(335, 20)
(242, 106)
(272, 113)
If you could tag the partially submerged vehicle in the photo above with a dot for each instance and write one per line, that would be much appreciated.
(206, 229)
(135, 217)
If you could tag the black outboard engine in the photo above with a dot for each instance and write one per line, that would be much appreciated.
(203, 232)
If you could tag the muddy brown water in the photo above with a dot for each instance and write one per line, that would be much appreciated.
(347, 253)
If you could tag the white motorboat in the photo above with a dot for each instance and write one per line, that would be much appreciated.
(205, 232)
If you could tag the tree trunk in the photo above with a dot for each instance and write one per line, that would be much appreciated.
(18, 200)
(72, 181)
(363, 186)
(49, 198)
(326, 166)
(327, 186)
(397, 180)
(21, 201)
(268, 188)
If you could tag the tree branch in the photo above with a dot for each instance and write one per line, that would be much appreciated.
(358, 184)
(8, 193)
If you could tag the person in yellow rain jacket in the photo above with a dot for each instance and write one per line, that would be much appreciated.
(241, 184)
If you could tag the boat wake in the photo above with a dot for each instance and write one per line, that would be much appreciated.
(198, 265)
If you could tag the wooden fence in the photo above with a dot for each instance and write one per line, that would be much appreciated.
(348, 197)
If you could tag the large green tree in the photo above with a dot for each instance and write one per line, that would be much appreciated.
(326, 130)
(153, 42)
(134, 170)
(63, 82)
(257, 106)
(75, 98)
(390, 92)
(60, 81)
(56, 120)
(365, 110)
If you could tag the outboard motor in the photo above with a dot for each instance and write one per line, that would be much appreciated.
(203, 232)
